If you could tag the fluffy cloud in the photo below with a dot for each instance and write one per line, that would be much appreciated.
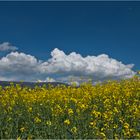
(62, 67)
(6, 46)
(48, 79)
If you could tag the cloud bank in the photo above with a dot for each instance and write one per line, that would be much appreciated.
(63, 68)
(6, 46)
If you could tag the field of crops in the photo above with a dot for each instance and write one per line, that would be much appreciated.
(110, 110)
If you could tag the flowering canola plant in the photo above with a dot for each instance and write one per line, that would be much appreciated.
(109, 110)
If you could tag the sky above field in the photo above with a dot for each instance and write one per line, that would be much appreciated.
(65, 41)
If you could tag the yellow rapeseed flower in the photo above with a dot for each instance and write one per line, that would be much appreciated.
(30, 109)
(74, 129)
(102, 135)
(22, 129)
(126, 125)
(70, 111)
(93, 123)
(37, 120)
(67, 122)
(49, 123)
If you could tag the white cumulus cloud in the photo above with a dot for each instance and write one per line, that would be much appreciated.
(6, 46)
(63, 68)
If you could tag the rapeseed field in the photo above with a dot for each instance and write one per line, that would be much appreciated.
(109, 110)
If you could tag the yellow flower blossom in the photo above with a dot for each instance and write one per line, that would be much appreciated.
(93, 123)
(74, 130)
(22, 129)
(30, 109)
(67, 122)
(70, 112)
(126, 125)
(37, 120)
(49, 123)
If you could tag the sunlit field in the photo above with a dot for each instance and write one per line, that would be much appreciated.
(108, 110)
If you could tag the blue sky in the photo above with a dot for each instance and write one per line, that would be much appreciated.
(88, 28)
